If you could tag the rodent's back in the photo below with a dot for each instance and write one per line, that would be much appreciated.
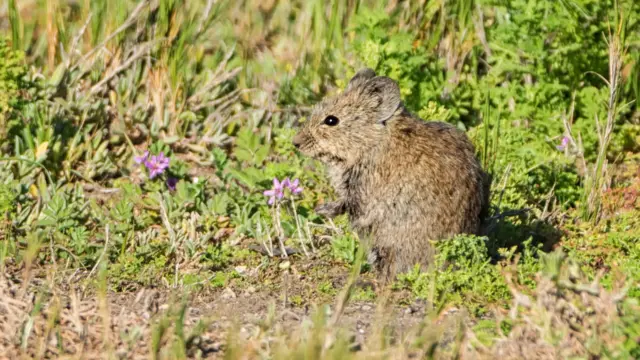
(431, 169)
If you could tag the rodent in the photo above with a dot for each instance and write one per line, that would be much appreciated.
(403, 182)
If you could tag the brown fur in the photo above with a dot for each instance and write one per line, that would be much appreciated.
(402, 181)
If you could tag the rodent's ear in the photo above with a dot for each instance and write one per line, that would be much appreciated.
(360, 78)
(384, 96)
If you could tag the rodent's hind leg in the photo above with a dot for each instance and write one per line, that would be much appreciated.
(331, 209)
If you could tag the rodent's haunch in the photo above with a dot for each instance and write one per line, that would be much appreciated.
(402, 181)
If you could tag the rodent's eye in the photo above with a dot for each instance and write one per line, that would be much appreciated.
(331, 120)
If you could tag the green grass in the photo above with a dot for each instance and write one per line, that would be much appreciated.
(219, 87)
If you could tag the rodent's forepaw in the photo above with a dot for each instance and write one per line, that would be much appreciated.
(330, 210)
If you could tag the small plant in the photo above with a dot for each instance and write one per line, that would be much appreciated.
(279, 195)
(463, 273)
(156, 166)
(595, 177)
(345, 247)
(13, 86)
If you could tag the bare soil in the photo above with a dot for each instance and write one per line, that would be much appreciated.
(72, 320)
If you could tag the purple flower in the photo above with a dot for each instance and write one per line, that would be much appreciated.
(294, 186)
(276, 192)
(157, 164)
(563, 145)
(171, 183)
(141, 159)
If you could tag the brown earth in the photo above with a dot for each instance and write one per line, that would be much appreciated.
(72, 320)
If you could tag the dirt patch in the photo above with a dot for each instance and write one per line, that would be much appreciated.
(39, 320)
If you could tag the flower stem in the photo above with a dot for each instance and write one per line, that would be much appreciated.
(298, 226)
(279, 229)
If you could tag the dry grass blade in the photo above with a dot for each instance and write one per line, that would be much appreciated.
(133, 17)
(138, 53)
